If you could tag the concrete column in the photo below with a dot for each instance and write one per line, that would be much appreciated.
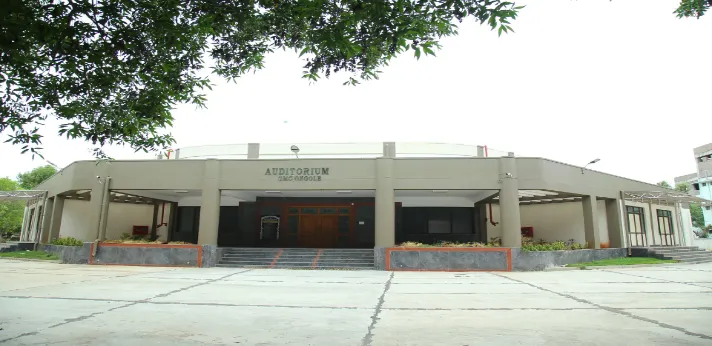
(253, 150)
(616, 230)
(155, 220)
(94, 209)
(389, 149)
(210, 204)
(56, 218)
(590, 222)
(46, 220)
(25, 223)
(105, 202)
(35, 220)
(385, 204)
(172, 214)
(480, 151)
(509, 203)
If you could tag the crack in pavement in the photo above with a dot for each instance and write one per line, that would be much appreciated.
(131, 303)
(652, 278)
(368, 338)
(78, 282)
(613, 310)
(144, 301)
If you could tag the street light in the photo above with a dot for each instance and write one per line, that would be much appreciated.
(295, 150)
(590, 163)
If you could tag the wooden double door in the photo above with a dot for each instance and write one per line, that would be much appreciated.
(318, 231)
(322, 227)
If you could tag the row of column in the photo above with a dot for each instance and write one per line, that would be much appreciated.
(510, 219)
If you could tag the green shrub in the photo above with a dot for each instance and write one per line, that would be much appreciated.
(441, 244)
(67, 241)
(553, 246)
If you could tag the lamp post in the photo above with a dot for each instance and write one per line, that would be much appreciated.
(295, 150)
(588, 164)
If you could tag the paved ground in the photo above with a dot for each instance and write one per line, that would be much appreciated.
(46, 303)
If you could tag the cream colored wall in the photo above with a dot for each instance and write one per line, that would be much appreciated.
(651, 221)
(554, 221)
(409, 201)
(75, 221)
(122, 218)
(194, 201)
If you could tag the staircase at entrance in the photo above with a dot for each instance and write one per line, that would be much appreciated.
(287, 258)
(686, 254)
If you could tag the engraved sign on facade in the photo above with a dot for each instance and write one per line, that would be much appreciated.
(298, 174)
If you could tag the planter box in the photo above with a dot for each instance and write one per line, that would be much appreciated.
(483, 259)
(540, 260)
(70, 254)
(447, 259)
(163, 255)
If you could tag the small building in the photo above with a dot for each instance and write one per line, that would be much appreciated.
(701, 181)
(363, 195)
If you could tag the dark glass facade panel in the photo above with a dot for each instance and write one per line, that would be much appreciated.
(293, 224)
(439, 226)
(344, 224)
(327, 211)
(344, 210)
(293, 210)
(309, 210)
(462, 219)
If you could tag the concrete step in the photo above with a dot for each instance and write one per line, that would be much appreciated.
(696, 259)
(296, 264)
(673, 247)
(246, 262)
(702, 260)
(683, 257)
(683, 254)
(674, 250)
(298, 258)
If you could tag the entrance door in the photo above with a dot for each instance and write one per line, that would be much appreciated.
(321, 226)
(309, 226)
(329, 228)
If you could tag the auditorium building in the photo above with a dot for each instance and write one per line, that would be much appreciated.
(360, 195)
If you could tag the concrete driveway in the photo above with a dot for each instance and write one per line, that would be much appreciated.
(47, 303)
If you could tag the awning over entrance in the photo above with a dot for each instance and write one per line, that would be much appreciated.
(21, 195)
(664, 197)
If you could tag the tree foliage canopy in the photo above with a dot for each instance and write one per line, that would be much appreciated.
(29, 180)
(11, 212)
(693, 8)
(111, 71)
(683, 187)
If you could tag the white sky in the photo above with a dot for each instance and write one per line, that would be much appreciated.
(622, 80)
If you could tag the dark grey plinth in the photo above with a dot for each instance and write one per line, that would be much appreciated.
(149, 255)
(26, 245)
(441, 260)
(379, 258)
(70, 254)
(211, 255)
(540, 260)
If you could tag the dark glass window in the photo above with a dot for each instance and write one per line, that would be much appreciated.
(293, 224)
(439, 226)
(344, 224)
(309, 210)
(328, 211)
(344, 210)
(293, 210)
